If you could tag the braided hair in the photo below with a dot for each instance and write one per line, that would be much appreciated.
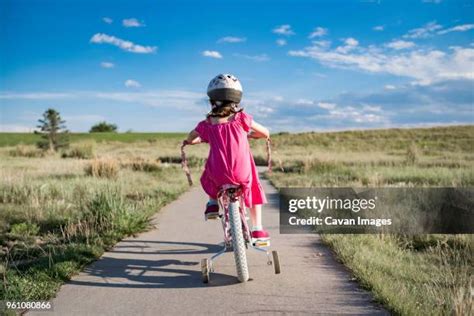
(223, 108)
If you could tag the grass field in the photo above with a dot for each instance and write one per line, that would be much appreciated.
(410, 275)
(58, 214)
(12, 139)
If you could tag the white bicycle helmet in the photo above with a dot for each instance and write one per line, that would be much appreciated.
(225, 87)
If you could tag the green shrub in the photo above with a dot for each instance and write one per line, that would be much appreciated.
(24, 229)
(111, 212)
(103, 127)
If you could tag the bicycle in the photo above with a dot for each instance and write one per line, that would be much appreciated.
(237, 236)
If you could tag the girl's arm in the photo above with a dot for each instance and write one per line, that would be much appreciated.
(193, 138)
(259, 131)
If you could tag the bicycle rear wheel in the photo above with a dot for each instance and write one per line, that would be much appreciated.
(238, 242)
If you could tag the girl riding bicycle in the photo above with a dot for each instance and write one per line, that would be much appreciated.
(226, 129)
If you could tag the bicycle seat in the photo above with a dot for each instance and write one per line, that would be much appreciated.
(231, 188)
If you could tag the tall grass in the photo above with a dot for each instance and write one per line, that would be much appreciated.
(142, 164)
(412, 154)
(102, 168)
(80, 150)
(56, 215)
(433, 280)
(410, 275)
(28, 151)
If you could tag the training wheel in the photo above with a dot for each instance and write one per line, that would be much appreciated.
(205, 270)
(276, 262)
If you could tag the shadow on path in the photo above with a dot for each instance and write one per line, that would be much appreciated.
(140, 273)
(155, 247)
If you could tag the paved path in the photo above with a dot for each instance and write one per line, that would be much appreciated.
(158, 273)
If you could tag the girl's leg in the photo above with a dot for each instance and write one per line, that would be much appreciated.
(256, 217)
(258, 232)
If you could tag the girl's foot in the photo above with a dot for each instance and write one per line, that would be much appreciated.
(260, 238)
(260, 234)
(212, 211)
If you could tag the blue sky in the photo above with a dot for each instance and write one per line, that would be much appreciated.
(304, 65)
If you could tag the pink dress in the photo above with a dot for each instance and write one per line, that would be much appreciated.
(230, 160)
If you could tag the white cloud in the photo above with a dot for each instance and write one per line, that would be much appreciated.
(318, 32)
(457, 28)
(152, 98)
(327, 105)
(351, 41)
(277, 98)
(424, 65)
(371, 108)
(36, 95)
(232, 39)
(132, 22)
(212, 54)
(350, 113)
(304, 102)
(261, 57)
(162, 98)
(378, 28)
(319, 75)
(425, 31)
(350, 44)
(262, 104)
(281, 42)
(132, 84)
(107, 20)
(389, 87)
(128, 46)
(15, 128)
(106, 64)
(441, 103)
(432, 28)
(262, 111)
(194, 104)
(324, 44)
(400, 44)
(284, 29)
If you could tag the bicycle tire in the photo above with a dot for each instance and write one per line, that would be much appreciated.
(238, 242)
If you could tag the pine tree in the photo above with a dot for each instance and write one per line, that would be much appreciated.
(53, 130)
